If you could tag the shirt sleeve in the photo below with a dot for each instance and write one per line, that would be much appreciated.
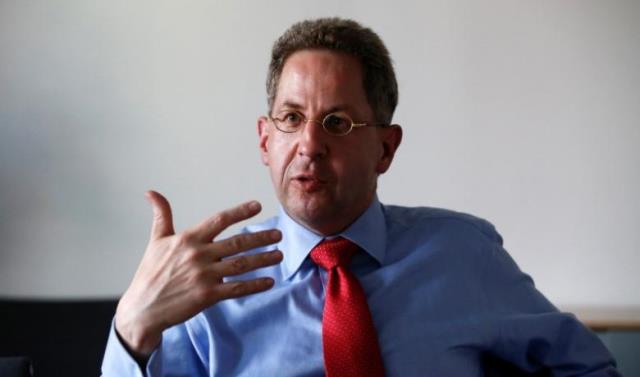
(182, 360)
(118, 361)
(531, 333)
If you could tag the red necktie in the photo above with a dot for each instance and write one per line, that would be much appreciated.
(349, 339)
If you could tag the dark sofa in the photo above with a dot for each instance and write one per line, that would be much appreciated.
(59, 338)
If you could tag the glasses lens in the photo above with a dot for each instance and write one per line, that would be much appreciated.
(337, 124)
(288, 121)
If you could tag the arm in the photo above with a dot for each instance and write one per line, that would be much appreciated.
(533, 335)
(182, 274)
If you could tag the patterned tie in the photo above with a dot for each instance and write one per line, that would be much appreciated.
(349, 339)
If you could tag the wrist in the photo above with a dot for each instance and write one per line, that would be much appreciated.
(138, 335)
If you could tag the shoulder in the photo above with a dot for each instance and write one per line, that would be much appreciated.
(438, 221)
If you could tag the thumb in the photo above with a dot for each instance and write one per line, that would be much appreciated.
(162, 225)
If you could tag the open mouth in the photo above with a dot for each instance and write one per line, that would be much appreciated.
(309, 182)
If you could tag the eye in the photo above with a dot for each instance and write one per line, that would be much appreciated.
(292, 117)
(289, 121)
(337, 124)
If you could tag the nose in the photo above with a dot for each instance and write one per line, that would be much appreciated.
(313, 140)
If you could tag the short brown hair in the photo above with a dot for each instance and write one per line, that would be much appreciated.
(348, 36)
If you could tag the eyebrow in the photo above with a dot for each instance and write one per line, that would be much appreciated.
(296, 106)
(291, 105)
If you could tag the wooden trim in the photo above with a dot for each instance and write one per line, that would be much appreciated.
(607, 318)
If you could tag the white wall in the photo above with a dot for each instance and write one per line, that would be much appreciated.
(525, 113)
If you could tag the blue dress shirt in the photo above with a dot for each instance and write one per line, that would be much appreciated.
(443, 295)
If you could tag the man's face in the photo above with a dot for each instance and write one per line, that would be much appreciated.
(324, 181)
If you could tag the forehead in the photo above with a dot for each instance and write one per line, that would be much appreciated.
(318, 79)
(322, 58)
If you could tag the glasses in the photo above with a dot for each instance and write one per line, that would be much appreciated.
(337, 123)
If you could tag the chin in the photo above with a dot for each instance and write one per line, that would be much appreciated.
(312, 210)
(314, 214)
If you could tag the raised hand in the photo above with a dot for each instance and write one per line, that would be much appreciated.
(182, 274)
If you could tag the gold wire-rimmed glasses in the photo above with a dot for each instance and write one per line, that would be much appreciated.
(337, 123)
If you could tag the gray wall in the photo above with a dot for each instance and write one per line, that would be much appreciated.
(525, 113)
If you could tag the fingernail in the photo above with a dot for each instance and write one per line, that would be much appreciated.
(254, 205)
(276, 234)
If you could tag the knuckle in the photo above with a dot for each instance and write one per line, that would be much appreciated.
(220, 219)
(237, 242)
(240, 264)
(261, 237)
(191, 254)
(266, 258)
(237, 289)
(202, 294)
(201, 279)
(158, 217)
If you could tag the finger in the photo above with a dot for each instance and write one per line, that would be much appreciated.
(237, 289)
(162, 224)
(245, 263)
(214, 225)
(243, 242)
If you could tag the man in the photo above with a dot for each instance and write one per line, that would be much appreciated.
(364, 288)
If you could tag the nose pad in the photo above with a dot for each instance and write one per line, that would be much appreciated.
(314, 121)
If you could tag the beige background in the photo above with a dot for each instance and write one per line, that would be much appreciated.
(524, 113)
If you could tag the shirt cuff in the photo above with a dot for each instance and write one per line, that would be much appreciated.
(118, 362)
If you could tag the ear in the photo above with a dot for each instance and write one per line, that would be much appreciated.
(263, 138)
(390, 138)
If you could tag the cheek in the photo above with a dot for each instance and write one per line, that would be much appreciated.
(357, 168)
(280, 155)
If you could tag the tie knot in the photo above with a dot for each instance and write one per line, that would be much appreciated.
(329, 254)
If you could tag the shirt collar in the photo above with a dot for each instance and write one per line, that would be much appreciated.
(369, 232)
